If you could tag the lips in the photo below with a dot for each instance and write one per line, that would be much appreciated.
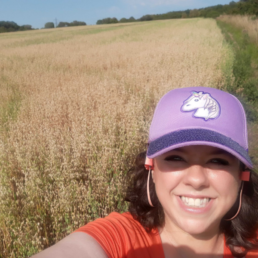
(195, 204)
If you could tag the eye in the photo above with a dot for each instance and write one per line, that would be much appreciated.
(219, 161)
(174, 158)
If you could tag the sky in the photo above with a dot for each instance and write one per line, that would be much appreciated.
(38, 12)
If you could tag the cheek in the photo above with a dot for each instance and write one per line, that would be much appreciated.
(165, 182)
(225, 184)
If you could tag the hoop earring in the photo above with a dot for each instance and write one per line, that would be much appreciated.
(240, 203)
(148, 189)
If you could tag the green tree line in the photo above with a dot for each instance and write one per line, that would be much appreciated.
(242, 7)
(50, 25)
(115, 20)
(7, 26)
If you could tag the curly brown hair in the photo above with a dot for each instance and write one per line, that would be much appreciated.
(239, 232)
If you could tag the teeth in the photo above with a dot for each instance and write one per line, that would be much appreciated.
(195, 202)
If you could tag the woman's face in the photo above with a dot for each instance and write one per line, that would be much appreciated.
(197, 186)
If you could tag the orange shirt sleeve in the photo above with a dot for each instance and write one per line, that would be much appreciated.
(123, 237)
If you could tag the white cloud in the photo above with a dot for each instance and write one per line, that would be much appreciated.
(113, 9)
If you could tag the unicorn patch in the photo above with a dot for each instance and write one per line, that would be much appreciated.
(204, 105)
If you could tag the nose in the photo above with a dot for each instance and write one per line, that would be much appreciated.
(196, 176)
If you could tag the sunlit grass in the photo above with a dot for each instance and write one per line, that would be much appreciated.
(248, 24)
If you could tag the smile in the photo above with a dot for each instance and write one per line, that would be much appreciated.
(195, 202)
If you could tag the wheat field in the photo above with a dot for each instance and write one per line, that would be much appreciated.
(76, 105)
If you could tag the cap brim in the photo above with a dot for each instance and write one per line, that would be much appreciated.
(191, 137)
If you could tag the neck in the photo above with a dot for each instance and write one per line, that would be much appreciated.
(180, 244)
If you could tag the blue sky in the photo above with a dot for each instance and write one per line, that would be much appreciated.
(38, 12)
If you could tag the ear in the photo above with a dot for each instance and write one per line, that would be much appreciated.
(205, 96)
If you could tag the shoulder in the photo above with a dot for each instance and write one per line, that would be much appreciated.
(118, 225)
(252, 254)
(120, 235)
(114, 220)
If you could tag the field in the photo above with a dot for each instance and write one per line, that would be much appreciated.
(76, 104)
(248, 24)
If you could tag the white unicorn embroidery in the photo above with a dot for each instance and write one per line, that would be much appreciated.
(206, 106)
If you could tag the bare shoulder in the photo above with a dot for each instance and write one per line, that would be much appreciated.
(79, 245)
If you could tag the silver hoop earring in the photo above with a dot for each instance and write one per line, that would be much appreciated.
(240, 203)
(148, 189)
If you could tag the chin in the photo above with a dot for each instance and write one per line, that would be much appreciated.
(195, 228)
(198, 226)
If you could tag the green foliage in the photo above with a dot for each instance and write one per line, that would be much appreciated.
(74, 23)
(63, 24)
(170, 15)
(122, 20)
(107, 21)
(243, 7)
(26, 27)
(245, 85)
(194, 13)
(232, 3)
(147, 18)
(114, 20)
(77, 23)
(131, 19)
(8, 26)
(49, 25)
(250, 91)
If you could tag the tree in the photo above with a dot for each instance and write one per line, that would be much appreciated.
(131, 19)
(212, 14)
(114, 20)
(77, 23)
(107, 21)
(184, 15)
(49, 25)
(26, 27)
(62, 24)
(194, 13)
(123, 20)
(9, 25)
(99, 22)
(146, 18)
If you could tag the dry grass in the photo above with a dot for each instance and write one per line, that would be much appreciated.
(245, 22)
(77, 104)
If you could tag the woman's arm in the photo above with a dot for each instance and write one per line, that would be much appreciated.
(76, 245)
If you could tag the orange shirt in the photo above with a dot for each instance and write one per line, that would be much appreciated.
(121, 236)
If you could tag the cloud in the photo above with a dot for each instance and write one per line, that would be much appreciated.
(113, 9)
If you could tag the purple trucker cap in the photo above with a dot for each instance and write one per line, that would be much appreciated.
(199, 116)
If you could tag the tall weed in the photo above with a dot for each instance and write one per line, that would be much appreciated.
(245, 80)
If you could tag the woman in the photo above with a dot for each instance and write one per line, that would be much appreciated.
(192, 194)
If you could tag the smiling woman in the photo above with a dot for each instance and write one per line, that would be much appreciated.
(192, 194)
